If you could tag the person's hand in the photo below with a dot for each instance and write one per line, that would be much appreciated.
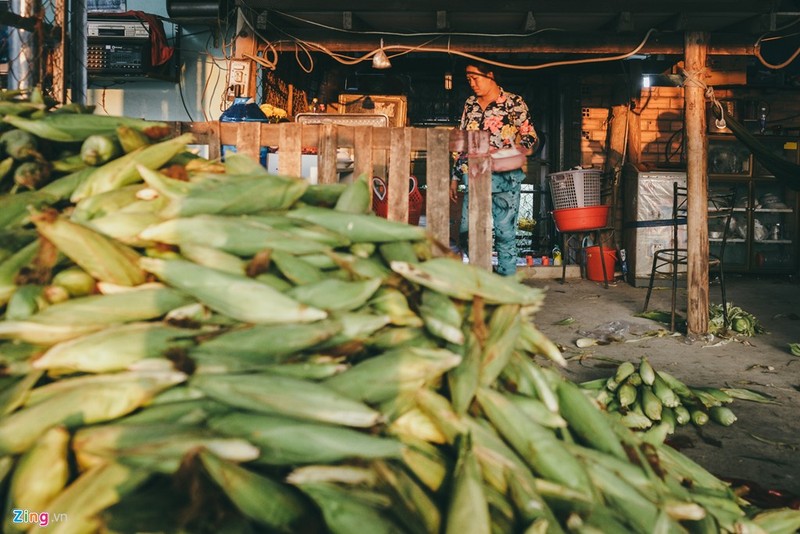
(454, 190)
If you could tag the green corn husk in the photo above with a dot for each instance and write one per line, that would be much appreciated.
(130, 138)
(419, 511)
(646, 371)
(135, 305)
(533, 341)
(214, 258)
(464, 282)
(92, 492)
(236, 235)
(665, 393)
(81, 406)
(359, 228)
(467, 509)
(393, 303)
(588, 423)
(778, 521)
(40, 475)
(441, 317)
(105, 203)
(383, 377)
(285, 441)
(258, 497)
(398, 251)
(14, 390)
(504, 329)
(682, 415)
(101, 257)
(295, 269)
(722, 415)
(536, 445)
(99, 149)
(287, 396)
(68, 127)
(125, 169)
(25, 301)
(182, 412)
(356, 197)
(346, 512)
(233, 196)
(114, 348)
(11, 266)
(651, 405)
(154, 447)
(464, 379)
(335, 295)
(236, 296)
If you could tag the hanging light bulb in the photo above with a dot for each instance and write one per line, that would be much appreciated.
(448, 81)
(380, 60)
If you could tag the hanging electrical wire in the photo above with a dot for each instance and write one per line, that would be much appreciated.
(769, 37)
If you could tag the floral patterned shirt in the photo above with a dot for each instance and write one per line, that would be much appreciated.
(506, 119)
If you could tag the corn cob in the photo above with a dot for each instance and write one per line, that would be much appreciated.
(651, 405)
(286, 396)
(98, 149)
(236, 235)
(635, 510)
(624, 370)
(463, 281)
(416, 423)
(356, 197)
(233, 196)
(722, 415)
(19, 430)
(296, 270)
(41, 473)
(155, 447)
(44, 334)
(626, 394)
(125, 169)
(427, 463)
(135, 305)
(269, 343)
(682, 415)
(285, 441)
(467, 510)
(357, 227)
(392, 373)
(258, 497)
(101, 257)
(646, 371)
(114, 348)
(586, 421)
(232, 295)
(68, 127)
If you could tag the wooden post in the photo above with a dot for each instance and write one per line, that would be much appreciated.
(326, 154)
(290, 149)
(480, 199)
(696, 44)
(248, 139)
(437, 195)
(399, 169)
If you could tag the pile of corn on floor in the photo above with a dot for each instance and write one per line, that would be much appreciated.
(762, 446)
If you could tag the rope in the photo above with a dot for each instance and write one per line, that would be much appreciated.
(695, 78)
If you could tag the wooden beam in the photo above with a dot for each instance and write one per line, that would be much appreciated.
(508, 6)
(697, 184)
(588, 44)
(437, 175)
(480, 200)
(399, 167)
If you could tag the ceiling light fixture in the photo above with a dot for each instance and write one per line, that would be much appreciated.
(380, 60)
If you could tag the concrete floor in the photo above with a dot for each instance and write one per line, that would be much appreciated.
(763, 445)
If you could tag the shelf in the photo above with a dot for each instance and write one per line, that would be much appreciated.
(774, 210)
(773, 241)
(730, 240)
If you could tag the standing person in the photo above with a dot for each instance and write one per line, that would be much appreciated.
(505, 116)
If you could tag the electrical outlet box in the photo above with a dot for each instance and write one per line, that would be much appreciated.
(239, 78)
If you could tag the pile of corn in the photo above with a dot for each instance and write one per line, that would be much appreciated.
(655, 401)
(234, 351)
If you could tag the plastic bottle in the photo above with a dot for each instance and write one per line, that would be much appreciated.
(556, 255)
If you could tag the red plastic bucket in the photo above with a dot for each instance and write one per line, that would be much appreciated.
(594, 269)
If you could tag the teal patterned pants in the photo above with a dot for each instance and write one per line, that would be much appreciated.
(505, 210)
